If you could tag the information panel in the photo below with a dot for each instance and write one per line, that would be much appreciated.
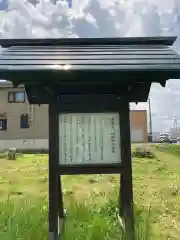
(90, 138)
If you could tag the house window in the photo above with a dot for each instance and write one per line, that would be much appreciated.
(24, 121)
(3, 124)
(16, 97)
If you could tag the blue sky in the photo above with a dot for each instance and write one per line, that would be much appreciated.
(104, 18)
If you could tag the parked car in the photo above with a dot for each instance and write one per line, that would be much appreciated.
(164, 138)
(173, 140)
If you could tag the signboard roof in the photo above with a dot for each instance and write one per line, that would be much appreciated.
(168, 41)
(98, 61)
(88, 55)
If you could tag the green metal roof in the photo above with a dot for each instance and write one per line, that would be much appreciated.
(88, 41)
(122, 57)
(91, 62)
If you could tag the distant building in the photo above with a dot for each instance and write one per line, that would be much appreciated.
(26, 126)
(175, 132)
(139, 126)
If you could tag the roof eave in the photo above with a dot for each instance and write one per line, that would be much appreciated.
(166, 41)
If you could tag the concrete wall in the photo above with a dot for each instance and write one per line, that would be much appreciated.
(24, 144)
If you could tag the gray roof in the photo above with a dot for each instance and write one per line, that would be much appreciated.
(125, 56)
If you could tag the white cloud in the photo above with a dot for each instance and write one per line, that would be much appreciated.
(104, 18)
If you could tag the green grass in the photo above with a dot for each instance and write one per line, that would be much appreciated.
(169, 148)
(91, 204)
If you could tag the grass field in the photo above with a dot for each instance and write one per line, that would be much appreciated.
(91, 204)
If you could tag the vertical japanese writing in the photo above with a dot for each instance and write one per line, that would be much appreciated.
(101, 138)
(71, 139)
(95, 137)
(89, 139)
(113, 136)
(83, 137)
(77, 136)
(65, 139)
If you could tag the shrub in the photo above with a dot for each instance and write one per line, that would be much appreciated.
(143, 152)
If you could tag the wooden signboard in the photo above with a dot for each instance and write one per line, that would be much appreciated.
(88, 84)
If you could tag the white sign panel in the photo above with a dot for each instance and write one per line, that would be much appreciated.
(89, 138)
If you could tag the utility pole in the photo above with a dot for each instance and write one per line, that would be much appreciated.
(175, 123)
(150, 120)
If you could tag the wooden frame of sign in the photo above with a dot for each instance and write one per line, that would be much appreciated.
(51, 69)
(108, 105)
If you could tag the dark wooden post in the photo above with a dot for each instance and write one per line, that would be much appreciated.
(60, 199)
(55, 192)
(126, 186)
